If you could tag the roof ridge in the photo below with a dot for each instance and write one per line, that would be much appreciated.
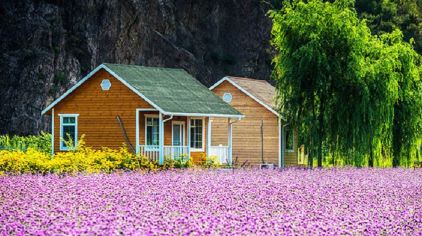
(136, 65)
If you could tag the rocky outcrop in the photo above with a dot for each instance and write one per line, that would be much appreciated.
(46, 46)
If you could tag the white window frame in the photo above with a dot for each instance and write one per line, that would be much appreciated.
(178, 122)
(203, 134)
(151, 147)
(293, 137)
(75, 142)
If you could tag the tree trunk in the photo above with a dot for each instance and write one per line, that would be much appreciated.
(320, 154)
(310, 158)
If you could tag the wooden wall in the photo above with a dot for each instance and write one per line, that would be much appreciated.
(97, 111)
(247, 132)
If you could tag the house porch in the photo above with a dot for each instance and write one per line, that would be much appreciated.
(161, 137)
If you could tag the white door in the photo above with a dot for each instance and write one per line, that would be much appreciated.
(178, 137)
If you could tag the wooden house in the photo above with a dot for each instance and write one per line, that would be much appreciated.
(160, 112)
(262, 136)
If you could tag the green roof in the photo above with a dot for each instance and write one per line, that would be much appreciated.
(172, 90)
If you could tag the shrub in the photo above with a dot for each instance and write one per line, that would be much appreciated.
(40, 142)
(180, 162)
(84, 159)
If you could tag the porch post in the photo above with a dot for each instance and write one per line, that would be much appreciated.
(283, 145)
(161, 138)
(230, 141)
(209, 136)
(137, 132)
(188, 133)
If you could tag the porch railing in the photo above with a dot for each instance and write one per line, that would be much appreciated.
(221, 152)
(175, 152)
(152, 152)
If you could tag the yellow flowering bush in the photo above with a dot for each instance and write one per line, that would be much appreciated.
(81, 160)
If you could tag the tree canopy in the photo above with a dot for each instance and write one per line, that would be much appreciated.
(354, 96)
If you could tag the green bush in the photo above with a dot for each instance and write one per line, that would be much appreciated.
(40, 142)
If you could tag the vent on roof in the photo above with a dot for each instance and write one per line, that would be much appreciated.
(105, 84)
(227, 97)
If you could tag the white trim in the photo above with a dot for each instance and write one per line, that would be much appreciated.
(137, 125)
(203, 132)
(180, 122)
(230, 140)
(67, 115)
(145, 127)
(146, 109)
(102, 66)
(280, 164)
(245, 92)
(161, 138)
(71, 89)
(209, 127)
(75, 142)
(205, 115)
(52, 131)
(188, 134)
(165, 120)
(137, 131)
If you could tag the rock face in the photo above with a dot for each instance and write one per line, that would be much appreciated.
(47, 46)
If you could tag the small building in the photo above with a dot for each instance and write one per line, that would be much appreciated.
(262, 136)
(158, 112)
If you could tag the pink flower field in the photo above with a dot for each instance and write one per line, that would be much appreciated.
(215, 202)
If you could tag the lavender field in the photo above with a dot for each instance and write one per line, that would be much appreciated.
(198, 202)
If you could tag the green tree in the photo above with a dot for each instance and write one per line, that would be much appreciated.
(341, 85)
(384, 16)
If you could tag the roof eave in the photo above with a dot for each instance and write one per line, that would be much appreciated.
(240, 116)
(102, 66)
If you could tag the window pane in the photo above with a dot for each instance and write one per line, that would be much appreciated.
(149, 135)
(155, 134)
(152, 131)
(69, 120)
(196, 134)
(69, 134)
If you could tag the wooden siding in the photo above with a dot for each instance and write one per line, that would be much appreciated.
(247, 132)
(97, 111)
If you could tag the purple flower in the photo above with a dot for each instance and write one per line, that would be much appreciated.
(212, 202)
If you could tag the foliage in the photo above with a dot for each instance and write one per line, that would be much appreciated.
(178, 162)
(343, 87)
(384, 16)
(84, 160)
(40, 142)
(215, 202)
(34, 158)
(209, 162)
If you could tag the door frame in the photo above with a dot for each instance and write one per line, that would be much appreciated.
(177, 122)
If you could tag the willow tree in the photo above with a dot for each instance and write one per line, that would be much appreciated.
(407, 121)
(339, 84)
